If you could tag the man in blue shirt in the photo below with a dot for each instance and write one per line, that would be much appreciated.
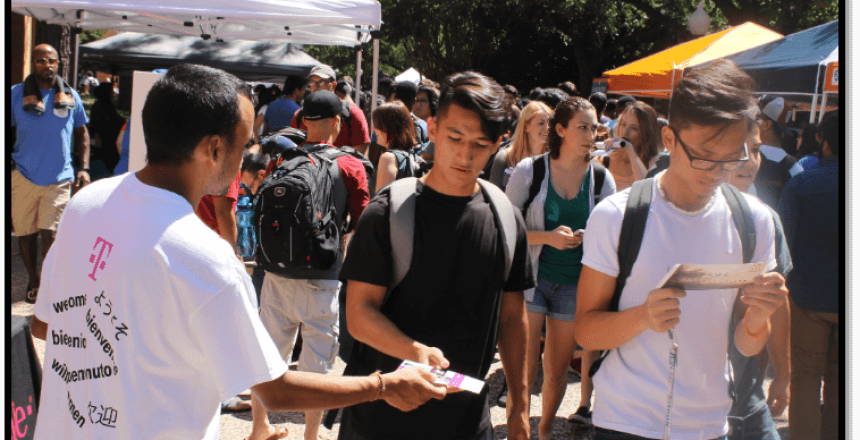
(280, 112)
(809, 208)
(46, 112)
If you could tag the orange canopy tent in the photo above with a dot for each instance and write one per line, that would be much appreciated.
(656, 75)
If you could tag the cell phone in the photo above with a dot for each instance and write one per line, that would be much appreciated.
(579, 232)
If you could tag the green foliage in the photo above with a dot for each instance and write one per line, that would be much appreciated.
(89, 36)
(531, 43)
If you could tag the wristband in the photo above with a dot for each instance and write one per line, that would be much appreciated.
(746, 327)
(84, 169)
(381, 385)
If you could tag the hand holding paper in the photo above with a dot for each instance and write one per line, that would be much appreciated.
(448, 378)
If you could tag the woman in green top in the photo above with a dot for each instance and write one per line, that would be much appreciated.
(556, 219)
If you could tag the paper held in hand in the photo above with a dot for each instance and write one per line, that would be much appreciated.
(711, 276)
(449, 378)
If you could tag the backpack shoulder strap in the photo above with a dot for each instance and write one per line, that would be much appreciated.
(401, 204)
(632, 232)
(629, 243)
(599, 178)
(538, 173)
(504, 211)
(742, 217)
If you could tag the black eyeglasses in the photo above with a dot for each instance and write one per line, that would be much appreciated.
(707, 164)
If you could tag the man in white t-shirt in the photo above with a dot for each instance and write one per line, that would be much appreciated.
(149, 319)
(689, 221)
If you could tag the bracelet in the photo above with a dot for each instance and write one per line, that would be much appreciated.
(381, 385)
(746, 327)
(84, 169)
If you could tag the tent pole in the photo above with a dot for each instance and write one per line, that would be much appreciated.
(812, 110)
(375, 84)
(357, 75)
(823, 107)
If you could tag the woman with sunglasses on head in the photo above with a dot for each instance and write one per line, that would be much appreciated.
(529, 140)
(555, 219)
(637, 128)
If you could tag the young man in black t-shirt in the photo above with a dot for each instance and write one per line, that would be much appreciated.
(453, 305)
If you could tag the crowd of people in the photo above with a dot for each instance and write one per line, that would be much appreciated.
(465, 220)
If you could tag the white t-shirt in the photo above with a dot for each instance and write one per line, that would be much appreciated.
(262, 112)
(631, 387)
(152, 320)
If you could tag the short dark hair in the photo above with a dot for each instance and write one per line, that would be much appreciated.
(394, 120)
(293, 83)
(478, 93)
(570, 88)
(384, 86)
(829, 131)
(511, 90)
(564, 112)
(432, 96)
(550, 96)
(808, 143)
(718, 94)
(253, 162)
(344, 87)
(406, 92)
(598, 100)
(187, 104)
(611, 105)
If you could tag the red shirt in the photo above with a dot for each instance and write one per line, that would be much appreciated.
(352, 134)
(206, 208)
(354, 178)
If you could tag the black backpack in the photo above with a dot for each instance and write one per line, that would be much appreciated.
(633, 230)
(539, 171)
(409, 164)
(301, 211)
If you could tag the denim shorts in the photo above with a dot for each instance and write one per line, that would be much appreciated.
(557, 301)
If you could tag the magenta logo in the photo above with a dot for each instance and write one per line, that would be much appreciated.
(99, 263)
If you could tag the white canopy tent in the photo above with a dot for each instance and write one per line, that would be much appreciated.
(410, 75)
(320, 22)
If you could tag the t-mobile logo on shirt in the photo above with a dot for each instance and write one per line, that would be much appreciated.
(99, 263)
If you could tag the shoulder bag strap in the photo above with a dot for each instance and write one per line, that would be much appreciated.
(742, 217)
(538, 173)
(629, 243)
(402, 229)
(599, 178)
(507, 220)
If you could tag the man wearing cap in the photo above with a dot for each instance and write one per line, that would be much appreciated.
(777, 166)
(353, 125)
(309, 296)
(46, 115)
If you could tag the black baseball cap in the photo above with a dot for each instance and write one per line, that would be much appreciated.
(321, 104)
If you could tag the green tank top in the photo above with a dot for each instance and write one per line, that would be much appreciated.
(564, 267)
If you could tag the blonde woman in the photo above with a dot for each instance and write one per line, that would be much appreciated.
(529, 140)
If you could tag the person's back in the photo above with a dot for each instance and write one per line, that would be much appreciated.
(810, 206)
(173, 270)
(279, 113)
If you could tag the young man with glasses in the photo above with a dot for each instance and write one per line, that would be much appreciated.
(689, 221)
(353, 127)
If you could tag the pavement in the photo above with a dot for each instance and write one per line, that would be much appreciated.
(238, 426)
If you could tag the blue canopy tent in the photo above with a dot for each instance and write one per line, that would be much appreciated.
(793, 66)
